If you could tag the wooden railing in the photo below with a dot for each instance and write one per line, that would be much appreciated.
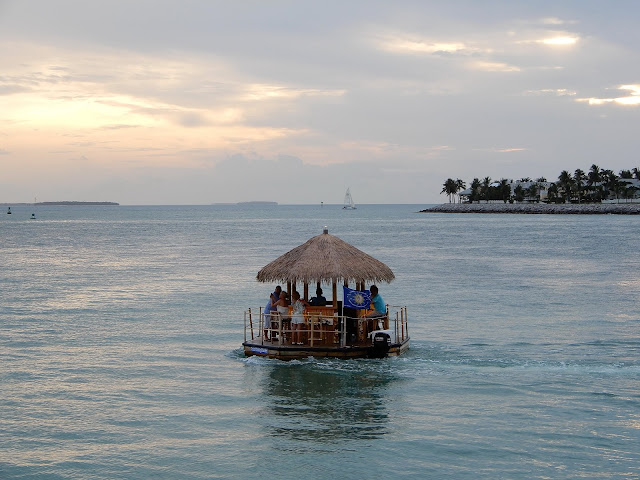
(323, 327)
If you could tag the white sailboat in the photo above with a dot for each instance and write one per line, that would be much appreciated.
(348, 201)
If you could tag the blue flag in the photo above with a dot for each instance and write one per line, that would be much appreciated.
(356, 298)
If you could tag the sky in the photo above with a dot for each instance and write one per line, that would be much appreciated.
(158, 102)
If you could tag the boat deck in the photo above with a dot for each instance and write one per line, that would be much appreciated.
(324, 336)
(288, 351)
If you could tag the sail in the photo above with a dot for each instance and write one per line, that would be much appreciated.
(348, 201)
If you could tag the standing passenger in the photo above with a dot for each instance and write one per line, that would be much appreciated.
(297, 319)
(273, 298)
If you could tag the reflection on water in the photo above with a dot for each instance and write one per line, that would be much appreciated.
(326, 401)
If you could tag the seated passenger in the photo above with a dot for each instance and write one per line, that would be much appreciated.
(318, 300)
(377, 303)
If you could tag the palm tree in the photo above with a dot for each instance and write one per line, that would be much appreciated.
(460, 186)
(594, 180)
(629, 191)
(485, 188)
(636, 173)
(533, 192)
(607, 175)
(505, 190)
(618, 187)
(625, 174)
(594, 175)
(518, 193)
(450, 188)
(578, 178)
(552, 193)
(541, 180)
(525, 179)
(565, 182)
(612, 182)
(475, 189)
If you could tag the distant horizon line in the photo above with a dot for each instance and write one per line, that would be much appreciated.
(247, 203)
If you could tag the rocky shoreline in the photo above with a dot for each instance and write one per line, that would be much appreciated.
(538, 208)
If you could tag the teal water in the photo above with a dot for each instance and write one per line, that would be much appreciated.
(120, 333)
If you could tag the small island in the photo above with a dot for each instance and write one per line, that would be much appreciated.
(74, 203)
(597, 191)
(538, 208)
(63, 203)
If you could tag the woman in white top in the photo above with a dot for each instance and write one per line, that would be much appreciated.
(282, 304)
(297, 319)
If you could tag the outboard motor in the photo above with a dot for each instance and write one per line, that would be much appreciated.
(381, 345)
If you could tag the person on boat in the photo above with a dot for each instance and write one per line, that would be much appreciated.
(282, 304)
(281, 307)
(297, 319)
(379, 307)
(318, 300)
(273, 298)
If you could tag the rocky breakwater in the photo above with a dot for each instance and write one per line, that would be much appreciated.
(538, 208)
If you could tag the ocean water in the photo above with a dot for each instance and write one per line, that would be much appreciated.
(120, 334)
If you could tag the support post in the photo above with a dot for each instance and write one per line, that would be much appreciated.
(250, 324)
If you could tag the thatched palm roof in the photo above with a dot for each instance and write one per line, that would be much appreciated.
(325, 258)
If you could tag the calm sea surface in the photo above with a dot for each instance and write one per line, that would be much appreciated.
(120, 333)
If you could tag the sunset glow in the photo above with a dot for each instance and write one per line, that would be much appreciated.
(560, 41)
(396, 88)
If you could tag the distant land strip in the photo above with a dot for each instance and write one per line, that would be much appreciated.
(72, 203)
(538, 208)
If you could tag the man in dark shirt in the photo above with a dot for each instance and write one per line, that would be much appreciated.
(318, 300)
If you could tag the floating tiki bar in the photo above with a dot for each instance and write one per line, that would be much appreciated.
(328, 331)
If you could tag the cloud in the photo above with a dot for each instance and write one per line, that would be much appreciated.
(487, 66)
(12, 89)
(632, 99)
(169, 108)
(563, 40)
(558, 92)
(152, 96)
(546, 38)
(401, 45)
(502, 149)
(259, 92)
(416, 44)
(515, 49)
(118, 126)
(509, 150)
(554, 21)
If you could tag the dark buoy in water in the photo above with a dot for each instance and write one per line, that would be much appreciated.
(9, 211)
(33, 216)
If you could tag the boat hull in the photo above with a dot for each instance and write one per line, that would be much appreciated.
(294, 352)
